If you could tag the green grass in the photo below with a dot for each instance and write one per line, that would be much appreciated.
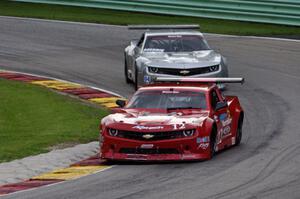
(32, 119)
(71, 13)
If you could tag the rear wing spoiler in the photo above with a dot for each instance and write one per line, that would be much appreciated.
(161, 27)
(215, 80)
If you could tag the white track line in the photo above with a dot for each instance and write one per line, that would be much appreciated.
(119, 26)
(60, 21)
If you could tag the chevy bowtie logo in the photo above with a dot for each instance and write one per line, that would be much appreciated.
(184, 72)
(148, 136)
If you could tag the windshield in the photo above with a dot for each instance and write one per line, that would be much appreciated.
(168, 100)
(175, 43)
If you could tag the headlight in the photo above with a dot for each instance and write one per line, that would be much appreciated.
(188, 133)
(214, 68)
(153, 69)
(113, 132)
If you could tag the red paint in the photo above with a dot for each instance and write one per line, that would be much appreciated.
(139, 122)
(6, 74)
(95, 95)
(19, 77)
(27, 79)
(92, 161)
(86, 93)
(29, 184)
(78, 91)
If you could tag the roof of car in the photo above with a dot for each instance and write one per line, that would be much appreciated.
(179, 86)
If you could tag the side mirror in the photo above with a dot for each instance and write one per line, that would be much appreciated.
(121, 103)
(221, 105)
(133, 42)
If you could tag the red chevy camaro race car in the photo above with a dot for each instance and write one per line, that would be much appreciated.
(173, 119)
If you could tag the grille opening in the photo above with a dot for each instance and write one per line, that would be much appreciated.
(184, 72)
(148, 151)
(152, 136)
(187, 147)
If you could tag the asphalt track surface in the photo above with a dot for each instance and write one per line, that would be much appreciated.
(265, 165)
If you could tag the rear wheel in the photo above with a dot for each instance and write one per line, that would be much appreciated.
(239, 133)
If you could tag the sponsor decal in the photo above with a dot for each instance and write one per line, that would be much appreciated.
(140, 127)
(223, 116)
(147, 79)
(148, 136)
(174, 36)
(226, 130)
(225, 119)
(226, 122)
(179, 126)
(202, 139)
(147, 146)
(203, 146)
(184, 72)
(170, 92)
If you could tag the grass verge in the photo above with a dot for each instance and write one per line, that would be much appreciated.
(72, 13)
(32, 119)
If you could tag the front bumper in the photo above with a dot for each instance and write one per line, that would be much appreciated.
(182, 149)
(145, 77)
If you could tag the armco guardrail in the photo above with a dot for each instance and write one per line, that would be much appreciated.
(286, 12)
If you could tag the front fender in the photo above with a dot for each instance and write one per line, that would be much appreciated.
(207, 127)
(129, 50)
(141, 63)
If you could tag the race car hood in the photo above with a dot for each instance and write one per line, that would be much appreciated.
(156, 121)
(184, 60)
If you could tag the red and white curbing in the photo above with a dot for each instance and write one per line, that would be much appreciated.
(91, 165)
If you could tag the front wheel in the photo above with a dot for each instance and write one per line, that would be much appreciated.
(126, 72)
(213, 142)
(136, 83)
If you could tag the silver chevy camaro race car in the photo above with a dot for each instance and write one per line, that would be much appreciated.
(171, 51)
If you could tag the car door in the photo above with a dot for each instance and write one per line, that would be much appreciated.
(222, 116)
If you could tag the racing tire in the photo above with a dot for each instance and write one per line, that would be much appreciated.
(136, 83)
(128, 81)
(239, 132)
(213, 142)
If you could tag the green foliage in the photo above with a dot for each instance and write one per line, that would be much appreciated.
(72, 13)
